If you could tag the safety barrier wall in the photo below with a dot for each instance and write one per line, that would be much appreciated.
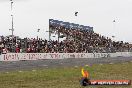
(39, 56)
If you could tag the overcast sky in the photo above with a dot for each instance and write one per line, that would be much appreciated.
(29, 15)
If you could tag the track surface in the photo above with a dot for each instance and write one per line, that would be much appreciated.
(29, 65)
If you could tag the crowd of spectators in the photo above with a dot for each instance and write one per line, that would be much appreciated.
(89, 41)
(77, 41)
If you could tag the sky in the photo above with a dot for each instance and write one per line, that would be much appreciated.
(30, 15)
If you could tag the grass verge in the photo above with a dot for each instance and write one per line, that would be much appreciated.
(65, 77)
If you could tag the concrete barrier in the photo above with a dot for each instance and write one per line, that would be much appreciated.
(39, 56)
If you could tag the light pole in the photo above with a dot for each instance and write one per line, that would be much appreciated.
(38, 46)
(12, 30)
(76, 13)
(113, 36)
(114, 29)
(58, 41)
(12, 23)
(38, 33)
(11, 4)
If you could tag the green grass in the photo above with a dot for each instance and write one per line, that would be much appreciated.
(65, 77)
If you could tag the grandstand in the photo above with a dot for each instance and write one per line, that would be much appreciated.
(78, 39)
(84, 36)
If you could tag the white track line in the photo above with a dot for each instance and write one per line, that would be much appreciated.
(13, 62)
(111, 63)
(45, 65)
(20, 71)
(86, 65)
(100, 64)
(33, 70)
(76, 66)
(124, 63)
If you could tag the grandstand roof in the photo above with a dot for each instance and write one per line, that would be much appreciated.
(69, 25)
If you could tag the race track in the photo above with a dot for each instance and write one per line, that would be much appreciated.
(30, 65)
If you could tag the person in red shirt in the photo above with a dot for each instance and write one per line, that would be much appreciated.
(17, 49)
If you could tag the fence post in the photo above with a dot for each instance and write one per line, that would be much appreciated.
(0, 57)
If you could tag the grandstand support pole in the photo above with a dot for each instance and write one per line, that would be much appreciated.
(49, 34)
(58, 35)
(58, 41)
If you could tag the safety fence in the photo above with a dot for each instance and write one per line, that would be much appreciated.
(40, 56)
